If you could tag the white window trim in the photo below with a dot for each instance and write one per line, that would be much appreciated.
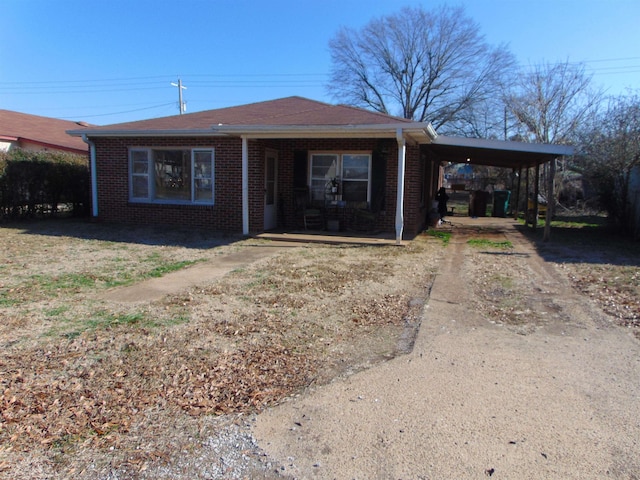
(340, 154)
(151, 176)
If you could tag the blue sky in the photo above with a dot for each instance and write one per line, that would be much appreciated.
(110, 61)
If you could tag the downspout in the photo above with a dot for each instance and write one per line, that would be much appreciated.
(245, 186)
(402, 149)
(94, 176)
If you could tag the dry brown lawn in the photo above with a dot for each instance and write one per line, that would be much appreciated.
(88, 385)
(86, 381)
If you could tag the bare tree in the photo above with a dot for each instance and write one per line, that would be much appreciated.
(547, 104)
(426, 66)
(611, 153)
(550, 101)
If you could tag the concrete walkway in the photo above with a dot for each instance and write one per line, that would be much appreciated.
(204, 272)
(199, 273)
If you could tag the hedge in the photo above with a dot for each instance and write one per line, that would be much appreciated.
(42, 183)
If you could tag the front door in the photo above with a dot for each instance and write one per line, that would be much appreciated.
(271, 190)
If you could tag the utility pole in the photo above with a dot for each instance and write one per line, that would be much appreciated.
(181, 105)
(505, 125)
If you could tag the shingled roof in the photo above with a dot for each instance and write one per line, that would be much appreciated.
(289, 111)
(44, 131)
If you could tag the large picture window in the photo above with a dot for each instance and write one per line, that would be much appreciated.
(349, 173)
(171, 175)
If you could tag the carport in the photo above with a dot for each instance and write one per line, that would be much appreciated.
(496, 153)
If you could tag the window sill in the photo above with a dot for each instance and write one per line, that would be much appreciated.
(171, 203)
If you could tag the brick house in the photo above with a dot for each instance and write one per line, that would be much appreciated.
(257, 167)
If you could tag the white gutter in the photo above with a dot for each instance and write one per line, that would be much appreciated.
(245, 186)
(402, 150)
(420, 132)
(94, 176)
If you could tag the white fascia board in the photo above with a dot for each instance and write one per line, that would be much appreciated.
(542, 148)
(418, 131)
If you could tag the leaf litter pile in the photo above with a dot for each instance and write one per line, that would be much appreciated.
(87, 382)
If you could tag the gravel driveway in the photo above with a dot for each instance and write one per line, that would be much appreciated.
(476, 398)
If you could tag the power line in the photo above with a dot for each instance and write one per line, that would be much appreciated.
(118, 113)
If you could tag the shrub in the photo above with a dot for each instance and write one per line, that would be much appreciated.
(38, 183)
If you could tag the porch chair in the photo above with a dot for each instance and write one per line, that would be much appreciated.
(312, 217)
(366, 219)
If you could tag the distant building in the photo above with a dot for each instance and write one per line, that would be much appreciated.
(35, 133)
(458, 176)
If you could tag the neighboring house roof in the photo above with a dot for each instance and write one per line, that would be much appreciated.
(49, 133)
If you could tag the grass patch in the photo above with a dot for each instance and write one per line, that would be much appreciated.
(579, 221)
(439, 234)
(486, 243)
(104, 320)
(161, 270)
(57, 311)
(124, 278)
(5, 301)
(64, 282)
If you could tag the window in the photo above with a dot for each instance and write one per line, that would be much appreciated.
(349, 172)
(171, 175)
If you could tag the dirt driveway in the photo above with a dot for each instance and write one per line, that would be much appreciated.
(554, 395)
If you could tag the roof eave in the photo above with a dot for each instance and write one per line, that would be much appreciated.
(419, 132)
(536, 148)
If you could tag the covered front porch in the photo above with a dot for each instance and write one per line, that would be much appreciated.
(457, 224)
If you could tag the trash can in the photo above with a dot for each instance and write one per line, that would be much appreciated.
(478, 203)
(501, 203)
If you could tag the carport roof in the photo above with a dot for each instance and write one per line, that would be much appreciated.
(495, 153)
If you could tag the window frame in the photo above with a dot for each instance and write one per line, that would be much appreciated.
(339, 155)
(150, 175)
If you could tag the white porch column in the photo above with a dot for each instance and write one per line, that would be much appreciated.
(94, 176)
(245, 186)
(402, 150)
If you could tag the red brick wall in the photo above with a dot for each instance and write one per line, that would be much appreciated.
(226, 214)
(113, 186)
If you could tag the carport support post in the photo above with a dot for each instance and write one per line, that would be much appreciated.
(551, 197)
(517, 202)
(536, 188)
(402, 150)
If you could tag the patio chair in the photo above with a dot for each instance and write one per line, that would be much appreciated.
(312, 217)
(366, 219)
